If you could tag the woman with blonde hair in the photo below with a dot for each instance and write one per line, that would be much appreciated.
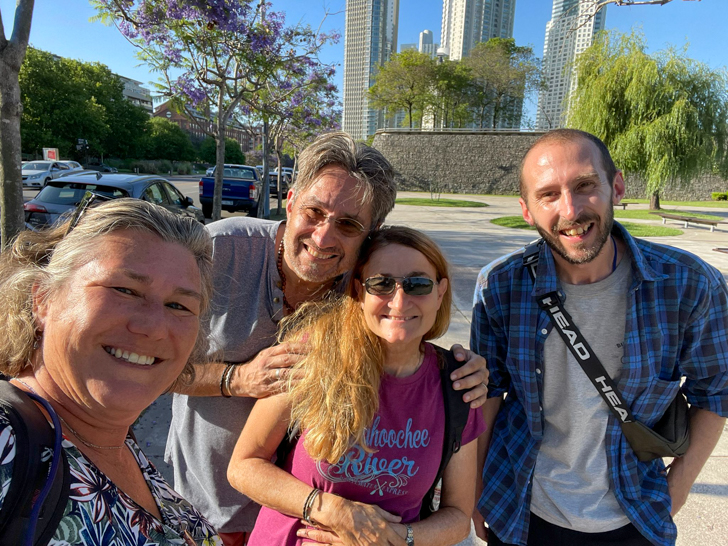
(101, 315)
(371, 410)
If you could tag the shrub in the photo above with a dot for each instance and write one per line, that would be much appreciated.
(184, 167)
(139, 166)
(719, 196)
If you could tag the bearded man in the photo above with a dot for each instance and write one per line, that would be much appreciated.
(558, 470)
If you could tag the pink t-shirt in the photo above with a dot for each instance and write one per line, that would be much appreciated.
(407, 436)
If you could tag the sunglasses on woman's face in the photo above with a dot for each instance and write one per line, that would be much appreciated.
(412, 286)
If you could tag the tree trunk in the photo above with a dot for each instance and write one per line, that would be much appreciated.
(11, 190)
(219, 158)
(279, 156)
(12, 53)
(263, 196)
(655, 201)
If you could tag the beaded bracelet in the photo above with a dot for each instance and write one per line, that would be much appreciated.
(225, 380)
(308, 505)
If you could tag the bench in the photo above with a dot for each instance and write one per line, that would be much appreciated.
(688, 220)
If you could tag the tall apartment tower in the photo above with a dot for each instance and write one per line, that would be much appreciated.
(370, 37)
(427, 44)
(467, 22)
(570, 31)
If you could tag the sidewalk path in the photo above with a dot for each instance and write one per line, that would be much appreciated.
(470, 241)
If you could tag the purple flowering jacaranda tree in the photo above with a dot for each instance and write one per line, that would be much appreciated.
(214, 56)
(303, 98)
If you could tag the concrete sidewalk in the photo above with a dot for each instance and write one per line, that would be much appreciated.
(470, 241)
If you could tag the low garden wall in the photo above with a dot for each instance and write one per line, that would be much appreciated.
(488, 163)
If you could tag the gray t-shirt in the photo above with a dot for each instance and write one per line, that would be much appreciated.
(571, 486)
(246, 304)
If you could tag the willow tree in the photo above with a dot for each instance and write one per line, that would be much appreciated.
(664, 117)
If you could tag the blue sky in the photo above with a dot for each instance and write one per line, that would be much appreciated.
(63, 28)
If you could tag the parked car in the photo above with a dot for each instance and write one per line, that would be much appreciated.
(37, 174)
(240, 187)
(288, 171)
(73, 166)
(100, 167)
(209, 171)
(273, 183)
(62, 196)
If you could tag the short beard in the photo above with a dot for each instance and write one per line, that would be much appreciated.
(313, 275)
(588, 255)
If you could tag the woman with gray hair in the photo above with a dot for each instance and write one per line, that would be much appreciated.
(102, 316)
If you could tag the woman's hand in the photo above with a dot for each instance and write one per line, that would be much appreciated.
(353, 523)
(324, 537)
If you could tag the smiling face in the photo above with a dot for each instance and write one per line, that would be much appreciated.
(398, 318)
(122, 328)
(318, 239)
(569, 199)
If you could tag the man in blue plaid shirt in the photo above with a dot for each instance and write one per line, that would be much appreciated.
(558, 470)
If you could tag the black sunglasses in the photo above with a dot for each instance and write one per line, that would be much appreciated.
(88, 200)
(412, 286)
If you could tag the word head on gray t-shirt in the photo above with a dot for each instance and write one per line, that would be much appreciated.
(571, 486)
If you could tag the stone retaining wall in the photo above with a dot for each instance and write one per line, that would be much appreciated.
(488, 163)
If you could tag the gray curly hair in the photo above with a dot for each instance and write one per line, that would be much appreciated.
(362, 162)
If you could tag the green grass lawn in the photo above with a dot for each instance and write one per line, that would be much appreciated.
(636, 230)
(427, 202)
(714, 204)
(647, 215)
(516, 222)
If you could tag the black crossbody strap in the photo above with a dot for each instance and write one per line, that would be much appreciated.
(579, 347)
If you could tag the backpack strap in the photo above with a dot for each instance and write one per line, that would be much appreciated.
(39, 491)
(456, 417)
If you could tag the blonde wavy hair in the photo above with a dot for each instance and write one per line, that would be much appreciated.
(49, 258)
(338, 396)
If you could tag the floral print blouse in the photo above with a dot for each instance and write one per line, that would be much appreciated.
(98, 513)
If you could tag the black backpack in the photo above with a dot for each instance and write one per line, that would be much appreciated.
(39, 491)
(456, 417)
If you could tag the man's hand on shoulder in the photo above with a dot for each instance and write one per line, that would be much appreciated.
(267, 374)
(471, 377)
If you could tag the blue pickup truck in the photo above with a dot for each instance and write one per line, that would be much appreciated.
(240, 190)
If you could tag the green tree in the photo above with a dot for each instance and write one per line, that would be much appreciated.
(64, 100)
(233, 153)
(502, 74)
(664, 117)
(404, 83)
(450, 98)
(167, 141)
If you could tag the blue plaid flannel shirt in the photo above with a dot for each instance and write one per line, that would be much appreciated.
(676, 326)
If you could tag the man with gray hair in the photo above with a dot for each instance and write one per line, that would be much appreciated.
(262, 271)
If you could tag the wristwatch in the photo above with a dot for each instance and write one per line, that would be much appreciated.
(410, 535)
